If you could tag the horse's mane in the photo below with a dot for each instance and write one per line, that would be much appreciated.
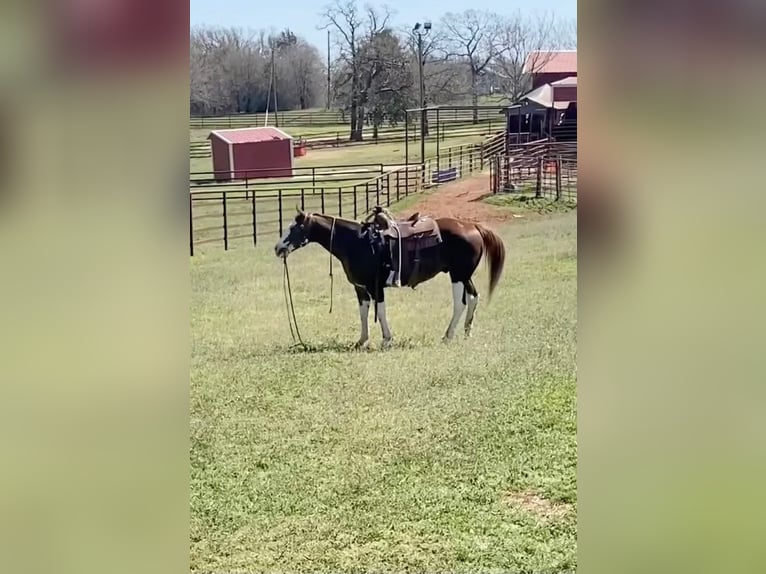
(335, 217)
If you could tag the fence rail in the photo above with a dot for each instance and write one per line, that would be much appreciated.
(305, 118)
(547, 169)
(202, 149)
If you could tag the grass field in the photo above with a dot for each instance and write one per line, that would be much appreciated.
(427, 457)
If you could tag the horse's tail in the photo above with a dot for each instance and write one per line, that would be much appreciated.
(495, 252)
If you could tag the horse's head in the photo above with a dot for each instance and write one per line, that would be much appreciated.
(296, 235)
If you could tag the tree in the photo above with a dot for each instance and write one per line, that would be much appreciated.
(386, 79)
(352, 27)
(521, 36)
(230, 70)
(473, 38)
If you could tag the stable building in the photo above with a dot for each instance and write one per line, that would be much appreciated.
(251, 153)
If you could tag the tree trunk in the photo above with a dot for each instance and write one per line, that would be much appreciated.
(357, 134)
(474, 97)
(353, 118)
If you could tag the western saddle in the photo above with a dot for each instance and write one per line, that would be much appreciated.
(405, 239)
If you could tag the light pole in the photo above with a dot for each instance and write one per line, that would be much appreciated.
(420, 33)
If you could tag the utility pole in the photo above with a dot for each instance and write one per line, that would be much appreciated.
(274, 77)
(328, 69)
(417, 31)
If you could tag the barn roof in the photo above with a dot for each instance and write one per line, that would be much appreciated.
(250, 135)
(551, 62)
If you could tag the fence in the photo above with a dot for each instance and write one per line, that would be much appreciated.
(547, 169)
(236, 211)
(445, 130)
(292, 118)
(302, 177)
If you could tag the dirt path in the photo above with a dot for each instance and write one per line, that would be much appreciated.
(461, 199)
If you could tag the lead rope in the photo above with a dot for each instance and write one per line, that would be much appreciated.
(332, 235)
(290, 306)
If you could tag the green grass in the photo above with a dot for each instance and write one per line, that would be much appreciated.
(415, 459)
(530, 202)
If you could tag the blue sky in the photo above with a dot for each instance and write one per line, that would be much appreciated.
(302, 16)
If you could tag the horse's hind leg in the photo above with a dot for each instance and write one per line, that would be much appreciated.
(458, 289)
(472, 300)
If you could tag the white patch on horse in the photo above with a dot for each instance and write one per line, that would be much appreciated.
(457, 309)
(282, 244)
(472, 301)
(384, 328)
(364, 312)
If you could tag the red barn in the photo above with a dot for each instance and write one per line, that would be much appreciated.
(251, 153)
(546, 67)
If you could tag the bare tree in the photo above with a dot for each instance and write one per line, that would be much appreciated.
(525, 40)
(444, 80)
(230, 70)
(473, 38)
(351, 26)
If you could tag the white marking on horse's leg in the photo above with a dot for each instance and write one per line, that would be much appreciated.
(384, 328)
(473, 301)
(457, 309)
(364, 319)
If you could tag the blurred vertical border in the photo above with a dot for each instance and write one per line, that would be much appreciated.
(672, 275)
(94, 290)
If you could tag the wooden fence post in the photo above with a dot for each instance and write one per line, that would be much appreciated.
(279, 197)
(539, 183)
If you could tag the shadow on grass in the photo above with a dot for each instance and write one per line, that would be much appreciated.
(336, 346)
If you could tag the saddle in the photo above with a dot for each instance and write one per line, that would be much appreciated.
(407, 239)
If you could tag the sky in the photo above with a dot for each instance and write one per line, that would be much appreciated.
(302, 16)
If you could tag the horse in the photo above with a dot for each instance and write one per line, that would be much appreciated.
(463, 243)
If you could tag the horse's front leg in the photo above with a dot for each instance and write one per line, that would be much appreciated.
(380, 302)
(364, 316)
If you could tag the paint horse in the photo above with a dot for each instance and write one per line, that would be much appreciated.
(458, 253)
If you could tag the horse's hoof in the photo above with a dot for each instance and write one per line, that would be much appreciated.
(446, 339)
(361, 344)
(386, 344)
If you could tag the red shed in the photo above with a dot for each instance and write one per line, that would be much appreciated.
(251, 153)
(549, 66)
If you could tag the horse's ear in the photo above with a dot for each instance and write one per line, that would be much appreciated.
(297, 209)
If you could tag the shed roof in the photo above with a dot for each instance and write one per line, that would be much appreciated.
(544, 97)
(571, 81)
(250, 135)
(551, 62)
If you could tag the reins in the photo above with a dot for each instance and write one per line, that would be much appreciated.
(290, 306)
(332, 235)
